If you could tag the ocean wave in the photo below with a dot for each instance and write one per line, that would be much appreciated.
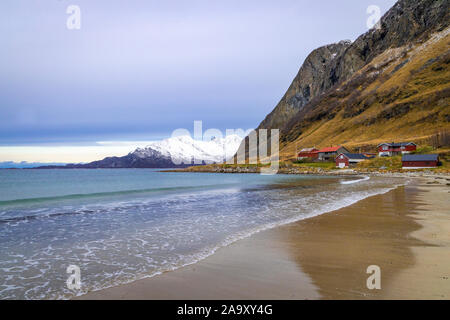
(21, 216)
(110, 194)
(354, 181)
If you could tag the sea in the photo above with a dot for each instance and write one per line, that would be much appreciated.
(120, 225)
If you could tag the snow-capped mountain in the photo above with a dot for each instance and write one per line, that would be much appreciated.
(174, 152)
(184, 149)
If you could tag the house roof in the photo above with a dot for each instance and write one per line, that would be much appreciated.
(331, 149)
(420, 157)
(398, 144)
(356, 156)
(369, 154)
(308, 150)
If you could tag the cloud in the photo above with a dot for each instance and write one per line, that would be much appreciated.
(137, 69)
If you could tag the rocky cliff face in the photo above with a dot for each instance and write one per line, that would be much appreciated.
(393, 82)
(402, 94)
(407, 22)
(308, 84)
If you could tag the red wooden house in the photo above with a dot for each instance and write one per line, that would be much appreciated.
(345, 160)
(308, 153)
(420, 161)
(392, 149)
(331, 153)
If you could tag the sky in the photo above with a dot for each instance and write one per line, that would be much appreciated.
(136, 70)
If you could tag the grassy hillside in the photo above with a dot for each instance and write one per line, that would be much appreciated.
(403, 94)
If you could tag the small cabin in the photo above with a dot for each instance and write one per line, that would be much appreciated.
(308, 153)
(392, 149)
(420, 161)
(330, 153)
(345, 160)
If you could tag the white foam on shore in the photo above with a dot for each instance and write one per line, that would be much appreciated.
(354, 181)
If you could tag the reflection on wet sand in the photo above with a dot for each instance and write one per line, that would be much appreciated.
(335, 249)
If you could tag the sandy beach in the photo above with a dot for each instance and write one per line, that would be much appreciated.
(406, 232)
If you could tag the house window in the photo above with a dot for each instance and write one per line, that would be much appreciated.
(385, 147)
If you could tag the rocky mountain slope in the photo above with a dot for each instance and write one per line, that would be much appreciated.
(307, 85)
(392, 83)
(403, 94)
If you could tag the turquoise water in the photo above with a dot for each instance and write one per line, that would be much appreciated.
(120, 225)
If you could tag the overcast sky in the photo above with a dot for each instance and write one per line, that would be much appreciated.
(139, 69)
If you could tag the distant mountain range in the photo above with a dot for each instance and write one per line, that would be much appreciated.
(26, 165)
(175, 152)
(391, 84)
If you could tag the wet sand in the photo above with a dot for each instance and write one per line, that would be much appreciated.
(406, 232)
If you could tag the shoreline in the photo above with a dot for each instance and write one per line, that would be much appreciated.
(416, 173)
(261, 267)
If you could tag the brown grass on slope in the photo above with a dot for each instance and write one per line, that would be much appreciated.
(403, 94)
